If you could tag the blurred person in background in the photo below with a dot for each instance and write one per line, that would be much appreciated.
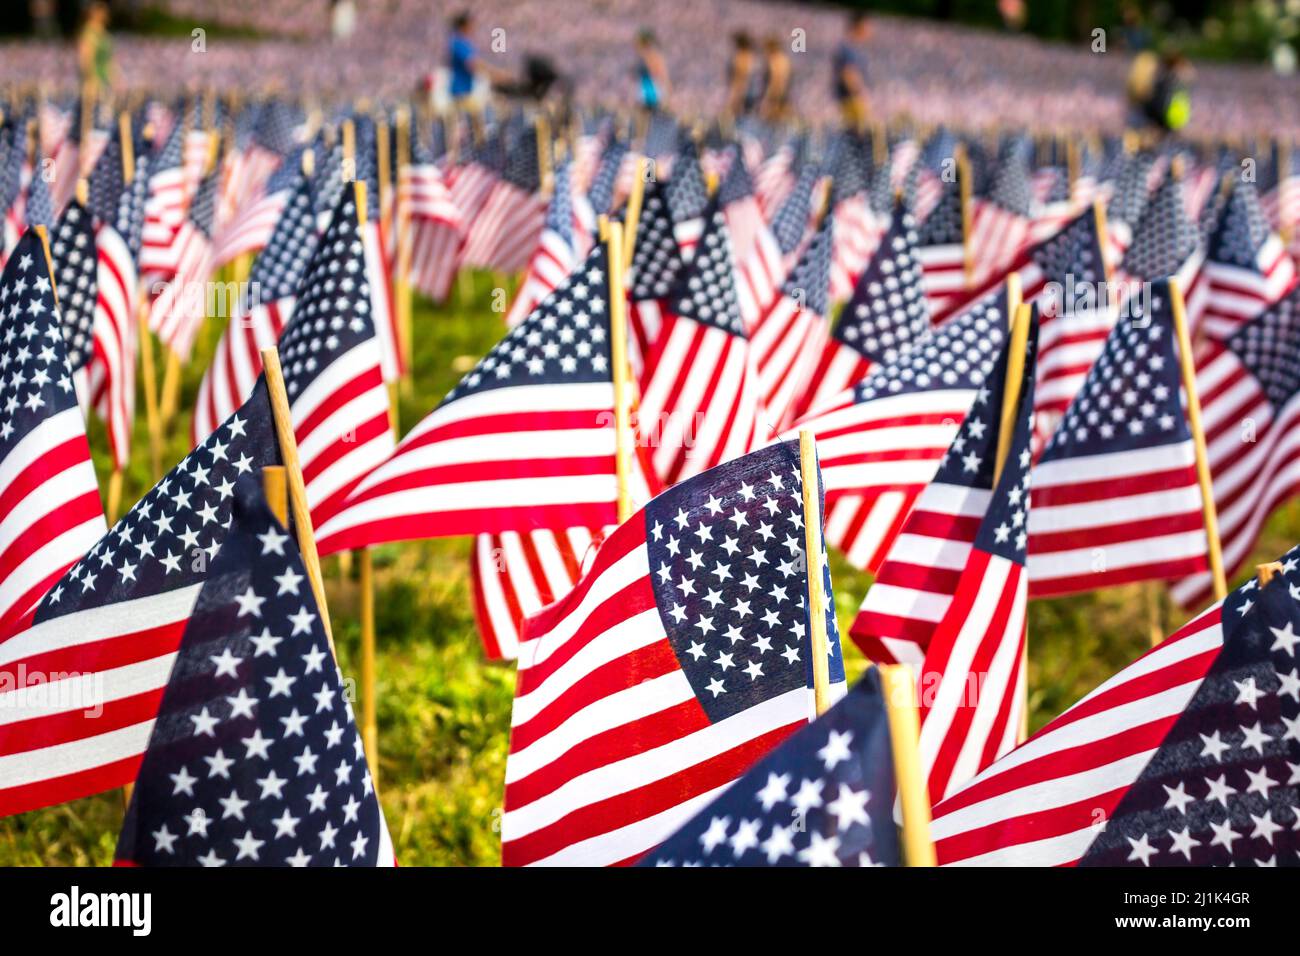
(464, 63)
(343, 18)
(744, 79)
(651, 72)
(776, 80)
(849, 72)
(95, 52)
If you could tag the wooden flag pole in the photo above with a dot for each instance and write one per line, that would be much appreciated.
(401, 275)
(1286, 227)
(369, 721)
(899, 687)
(171, 387)
(152, 416)
(964, 185)
(632, 221)
(275, 486)
(1213, 546)
(297, 490)
(623, 444)
(1011, 393)
(1264, 573)
(812, 546)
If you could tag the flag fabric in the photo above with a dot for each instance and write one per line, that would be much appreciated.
(859, 233)
(600, 191)
(383, 314)
(1129, 197)
(1247, 268)
(181, 306)
(745, 222)
(795, 215)
(39, 210)
(657, 263)
(50, 510)
(556, 253)
(1115, 496)
(687, 196)
(111, 626)
(885, 316)
(1166, 243)
(1248, 385)
(437, 227)
(1000, 221)
(701, 402)
(654, 685)
(1187, 756)
(333, 368)
(164, 211)
(254, 758)
(13, 160)
(76, 281)
(526, 440)
(118, 208)
(760, 263)
(792, 332)
(248, 229)
(917, 582)
(506, 229)
(973, 680)
(881, 442)
(824, 797)
(260, 315)
(941, 249)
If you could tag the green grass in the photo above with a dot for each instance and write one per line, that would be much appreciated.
(444, 712)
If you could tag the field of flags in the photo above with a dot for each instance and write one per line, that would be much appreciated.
(788, 439)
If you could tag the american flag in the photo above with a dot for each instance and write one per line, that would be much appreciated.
(13, 160)
(701, 402)
(526, 440)
(118, 209)
(760, 263)
(333, 368)
(1115, 497)
(181, 306)
(639, 698)
(1129, 198)
(941, 249)
(72, 249)
(1248, 385)
(824, 797)
(885, 316)
(657, 263)
(254, 757)
(791, 222)
(556, 253)
(882, 441)
(111, 625)
(383, 314)
(437, 227)
(250, 226)
(687, 196)
(777, 175)
(1247, 268)
(259, 317)
(915, 584)
(50, 512)
(600, 193)
(39, 209)
(858, 234)
(503, 233)
(745, 222)
(1167, 243)
(792, 332)
(1000, 220)
(1188, 756)
(973, 679)
(164, 211)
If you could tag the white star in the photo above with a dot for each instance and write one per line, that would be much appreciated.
(1285, 638)
(716, 834)
(1223, 835)
(822, 851)
(1142, 850)
(850, 807)
(836, 750)
(163, 840)
(250, 603)
(273, 541)
(1183, 841)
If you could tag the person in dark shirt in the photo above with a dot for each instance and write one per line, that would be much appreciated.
(651, 72)
(776, 80)
(744, 79)
(849, 72)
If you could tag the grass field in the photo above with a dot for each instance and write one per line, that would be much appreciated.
(444, 712)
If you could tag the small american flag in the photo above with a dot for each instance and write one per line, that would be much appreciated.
(111, 626)
(50, 512)
(1248, 386)
(790, 335)
(178, 312)
(600, 193)
(72, 249)
(504, 232)
(1188, 756)
(885, 316)
(687, 196)
(164, 210)
(1129, 198)
(1247, 268)
(1000, 220)
(1115, 494)
(859, 231)
(333, 368)
(881, 442)
(556, 253)
(657, 262)
(526, 440)
(437, 226)
(260, 316)
(701, 403)
(941, 248)
(254, 758)
(639, 698)
(825, 797)
(1165, 244)
(792, 220)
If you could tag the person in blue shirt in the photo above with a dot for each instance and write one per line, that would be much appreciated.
(463, 59)
(651, 72)
(849, 72)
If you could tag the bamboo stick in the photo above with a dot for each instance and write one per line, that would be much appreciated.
(1213, 546)
(623, 444)
(812, 526)
(899, 687)
(369, 721)
(297, 490)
